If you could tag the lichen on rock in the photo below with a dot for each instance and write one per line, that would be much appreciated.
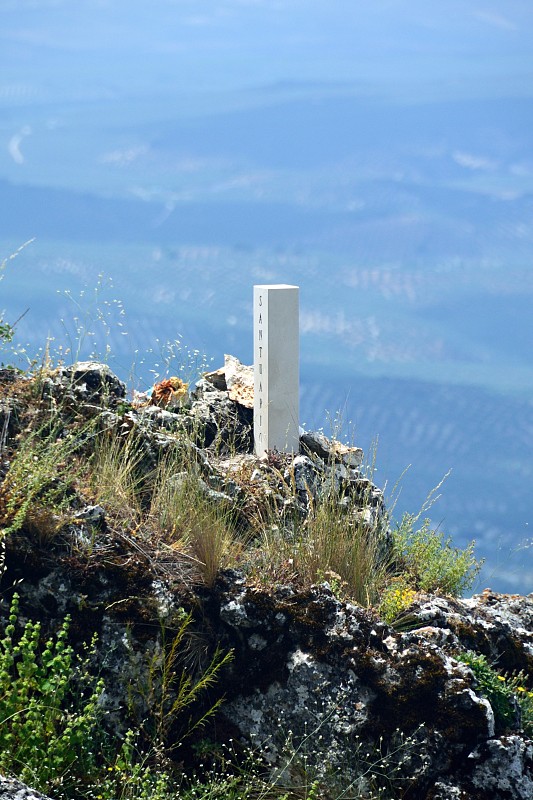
(316, 680)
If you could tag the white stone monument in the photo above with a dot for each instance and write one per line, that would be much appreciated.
(276, 368)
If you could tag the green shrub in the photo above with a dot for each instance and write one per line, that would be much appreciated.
(510, 699)
(48, 722)
(6, 331)
(130, 776)
(395, 598)
(39, 476)
(429, 562)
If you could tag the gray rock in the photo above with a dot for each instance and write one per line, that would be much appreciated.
(504, 768)
(304, 477)
(446, 791)
(358, 699)
(163, 418)
(93, 515)
(12, 789)
(330, 670)
(497, 625)
(218, 498)
(219, 423)
(331, 450)
(87, 382)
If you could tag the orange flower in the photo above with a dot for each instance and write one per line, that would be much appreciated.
(171, 389)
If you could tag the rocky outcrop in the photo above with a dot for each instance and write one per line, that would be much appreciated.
(11, 789)
(315, 667)
(236, 379)
(316, 683)
(85, 382)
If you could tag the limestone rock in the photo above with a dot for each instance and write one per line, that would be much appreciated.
(305, 477)
(218, 422)
(497, 625)
(12, 789)
(504, 768)
(331, 449)
(85, 382)
(311, 663)
(236, 379)
(240, 381)
(92, 515)
(327, 675)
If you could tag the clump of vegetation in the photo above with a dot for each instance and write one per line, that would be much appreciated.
(52, 733)
(429, 562)
(169, 694)
(6, 331)
(36, 487)
(167, 501)
(330, 544)
(396, 598)
(187, 520)
(114, 477)
(130, 775)
(162, 504)
(509, 695)
(423, 560)
(49, 722)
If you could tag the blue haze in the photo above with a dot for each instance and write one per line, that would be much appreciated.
(379, 155)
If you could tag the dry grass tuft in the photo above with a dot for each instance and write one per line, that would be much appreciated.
(330, 545)
(191, 521)
(115, 478)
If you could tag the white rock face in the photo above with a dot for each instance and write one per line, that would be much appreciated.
(11, 789)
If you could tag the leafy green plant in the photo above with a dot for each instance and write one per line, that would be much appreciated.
(395, 598)
(39, 477)
(511, 700)
(131, 777)
(6, 331)
(429, 562)
(48, 722)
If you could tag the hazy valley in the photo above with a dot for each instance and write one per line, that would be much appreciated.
(406, 219)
